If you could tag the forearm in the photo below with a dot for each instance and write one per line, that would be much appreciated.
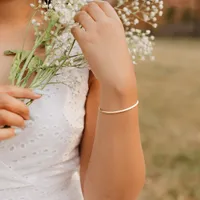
(116, 167)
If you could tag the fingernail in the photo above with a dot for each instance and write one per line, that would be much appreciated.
(17, 131)
(38, 92)
(28, 122)
(31, 117)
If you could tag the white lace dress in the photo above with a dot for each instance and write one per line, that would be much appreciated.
(42, 162)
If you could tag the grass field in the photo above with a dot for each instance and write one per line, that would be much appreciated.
(169, 91)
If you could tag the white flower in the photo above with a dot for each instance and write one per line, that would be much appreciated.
(148, 8)
(154, 19)
(146, 17)
(148, 3)
(161, 6)
(136, 21)
(138, 31)
(32, 5)
(155, 25)
(148, 32)
(137, 3)
(160, 13)
(33, 21)
(125, 9)
(132, 30)
(119, 12)
(152, 38)
(152, 14)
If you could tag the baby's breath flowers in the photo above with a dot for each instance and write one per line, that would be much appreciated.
(53, 33)
(132, 13)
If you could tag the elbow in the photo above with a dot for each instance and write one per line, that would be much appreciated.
(128, 186)
(129, 190)
(138, 185)
(133, 183)
(138, 188)
(133, 187)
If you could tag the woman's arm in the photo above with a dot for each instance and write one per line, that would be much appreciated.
(116, 165)
(116, 168)
(117, 159)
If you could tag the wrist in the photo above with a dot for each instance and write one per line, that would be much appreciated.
(122, 82)
(121, 86)
(119, 96)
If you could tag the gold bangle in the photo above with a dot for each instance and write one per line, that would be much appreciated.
(119, 111)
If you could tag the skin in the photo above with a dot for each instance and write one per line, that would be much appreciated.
(112, 163)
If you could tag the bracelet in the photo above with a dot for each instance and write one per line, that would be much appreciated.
(119, 111)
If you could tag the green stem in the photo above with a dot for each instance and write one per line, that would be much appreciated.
(27, 28)
(67, 57)
(40, 73)
(25, 66)
(37, 44)
(49, 78)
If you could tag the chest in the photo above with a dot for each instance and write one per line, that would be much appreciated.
(15, 38)
(52, 138)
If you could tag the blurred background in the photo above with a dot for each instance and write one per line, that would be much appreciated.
(169, 93)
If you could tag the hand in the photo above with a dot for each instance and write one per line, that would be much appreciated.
(13, 112)
(104, 44)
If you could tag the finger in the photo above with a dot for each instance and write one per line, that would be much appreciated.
(95, 11)
(11, 119)
(84, 19)
(19, 92)
(108, 9)
(84, 7)
(78, 33)
(14, 105)
(6, 133)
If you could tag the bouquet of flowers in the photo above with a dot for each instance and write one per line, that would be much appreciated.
(53, 34)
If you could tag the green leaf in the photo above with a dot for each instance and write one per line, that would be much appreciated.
(15, 68)
(33, 67)
(23, 54)
(9, 53)
(35, 62)
(19, 58)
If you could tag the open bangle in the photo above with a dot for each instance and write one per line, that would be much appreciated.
(119, 111)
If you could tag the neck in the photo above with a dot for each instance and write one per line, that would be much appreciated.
(15, 11)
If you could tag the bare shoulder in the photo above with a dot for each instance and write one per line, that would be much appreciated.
(92, 104)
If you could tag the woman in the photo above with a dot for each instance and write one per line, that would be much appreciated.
(38, 158)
